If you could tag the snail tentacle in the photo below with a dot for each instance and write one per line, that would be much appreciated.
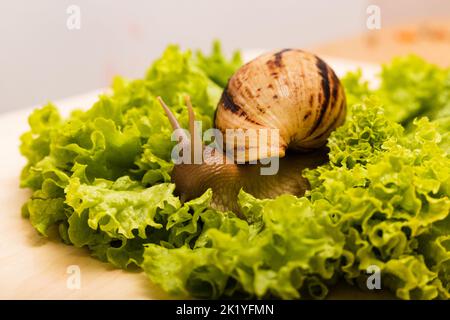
(172, 119)
(191, 114)
(193, 137)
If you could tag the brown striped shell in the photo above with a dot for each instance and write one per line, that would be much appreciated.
(290, 90)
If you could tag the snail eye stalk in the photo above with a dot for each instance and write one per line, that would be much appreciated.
(173, 121)
(192, 138)
(191, 113)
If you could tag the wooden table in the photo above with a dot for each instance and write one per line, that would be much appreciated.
(429, 39)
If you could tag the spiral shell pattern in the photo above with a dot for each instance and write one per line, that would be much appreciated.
(290, 90)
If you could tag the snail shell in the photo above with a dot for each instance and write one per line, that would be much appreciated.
(290, 90)
(291, 93)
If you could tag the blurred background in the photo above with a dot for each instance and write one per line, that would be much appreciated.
(41, 59)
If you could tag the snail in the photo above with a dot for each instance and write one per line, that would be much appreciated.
(291, 93)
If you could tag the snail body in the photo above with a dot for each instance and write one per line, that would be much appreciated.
(226, 180)
(290, 93)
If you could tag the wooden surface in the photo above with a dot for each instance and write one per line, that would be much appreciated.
(427, 38)
(33, 267)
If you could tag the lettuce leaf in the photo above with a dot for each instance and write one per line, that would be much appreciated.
(292, 249)
(216, 66)
(410, 87)
(118, 208)
(386, 203)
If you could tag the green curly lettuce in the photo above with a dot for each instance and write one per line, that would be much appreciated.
(101, 178)
(290, 250)
(216, 66)
(389, 202)
(410, 87)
